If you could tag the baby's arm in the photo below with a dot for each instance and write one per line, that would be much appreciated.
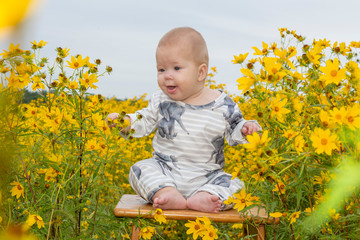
(249, 128)
(113, 116)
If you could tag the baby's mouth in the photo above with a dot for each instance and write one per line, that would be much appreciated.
(171, 89)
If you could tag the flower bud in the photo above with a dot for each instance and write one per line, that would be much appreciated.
(54, 84)
(59, 60)
(108, 69)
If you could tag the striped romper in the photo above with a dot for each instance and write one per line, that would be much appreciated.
(188, 146)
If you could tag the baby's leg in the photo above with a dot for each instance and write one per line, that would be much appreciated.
(147, 177)
(218, 188)
(169, 198)
(204, 202)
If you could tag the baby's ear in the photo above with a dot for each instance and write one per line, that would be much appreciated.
(203, 70)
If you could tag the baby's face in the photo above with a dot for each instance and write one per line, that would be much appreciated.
(178, 73)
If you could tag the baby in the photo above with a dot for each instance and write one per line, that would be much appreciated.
(191, 122)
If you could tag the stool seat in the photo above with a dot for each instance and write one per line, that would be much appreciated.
(134, 206)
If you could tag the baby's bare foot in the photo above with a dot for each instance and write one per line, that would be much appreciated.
(204, 202)
(169, 198)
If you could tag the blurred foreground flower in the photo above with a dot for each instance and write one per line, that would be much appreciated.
(147, 232)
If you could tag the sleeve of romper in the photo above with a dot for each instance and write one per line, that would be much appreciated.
(145, 121)
(233, 134)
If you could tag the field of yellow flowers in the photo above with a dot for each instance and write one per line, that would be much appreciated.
(63, 169)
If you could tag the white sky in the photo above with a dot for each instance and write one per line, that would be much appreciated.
(124, 34)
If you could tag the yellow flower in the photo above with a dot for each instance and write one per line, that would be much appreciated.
(264, 50)
(17, 190)
(272, 65)
(88, 80)
(341, 49)
(236, 172)
(194, 228)
(352, 117)
(32, 219)
(332, 73)
(237, 226)
(314, 55)
(299, 143)
(18, 81)
(338, 115)
(260, 174)
(278, 108)
(323, 179)
(298, 104)
(210, 233)
(276, 214)
(92, 145)
(73, 84)
(4, 69)
(38, 45)
(323, 141)
(147, 232)
(284, 55)
(245, 83)
(77, 62)
(37, 83)
(290, 134)
(326, 120)
(308, 210)
(241, 200)
(159, 217)
(279, 187)
(354, 70)
(63, 53)
(256, 142)
(323, 43)
(294, 216)
(13, 50)
(335, 216)
(239, 59)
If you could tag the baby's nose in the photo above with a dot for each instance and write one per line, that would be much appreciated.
(168, 75)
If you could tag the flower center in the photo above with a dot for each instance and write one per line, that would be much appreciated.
(324, 141)
(333, 73)
(350, 119)
(276, 109)
(76, 64)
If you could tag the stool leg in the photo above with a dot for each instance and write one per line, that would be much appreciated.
(135, 233)
(261, 232)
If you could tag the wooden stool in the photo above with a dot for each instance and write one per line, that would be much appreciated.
(134, 206)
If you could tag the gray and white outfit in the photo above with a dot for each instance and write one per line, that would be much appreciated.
(188, 146)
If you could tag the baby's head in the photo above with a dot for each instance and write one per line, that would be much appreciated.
(182, 61)
(188, 40)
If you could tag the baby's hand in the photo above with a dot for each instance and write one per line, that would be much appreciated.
(111, 117)
(249, 128)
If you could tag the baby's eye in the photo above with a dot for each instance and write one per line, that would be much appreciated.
(177, 68)
(161, 70)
